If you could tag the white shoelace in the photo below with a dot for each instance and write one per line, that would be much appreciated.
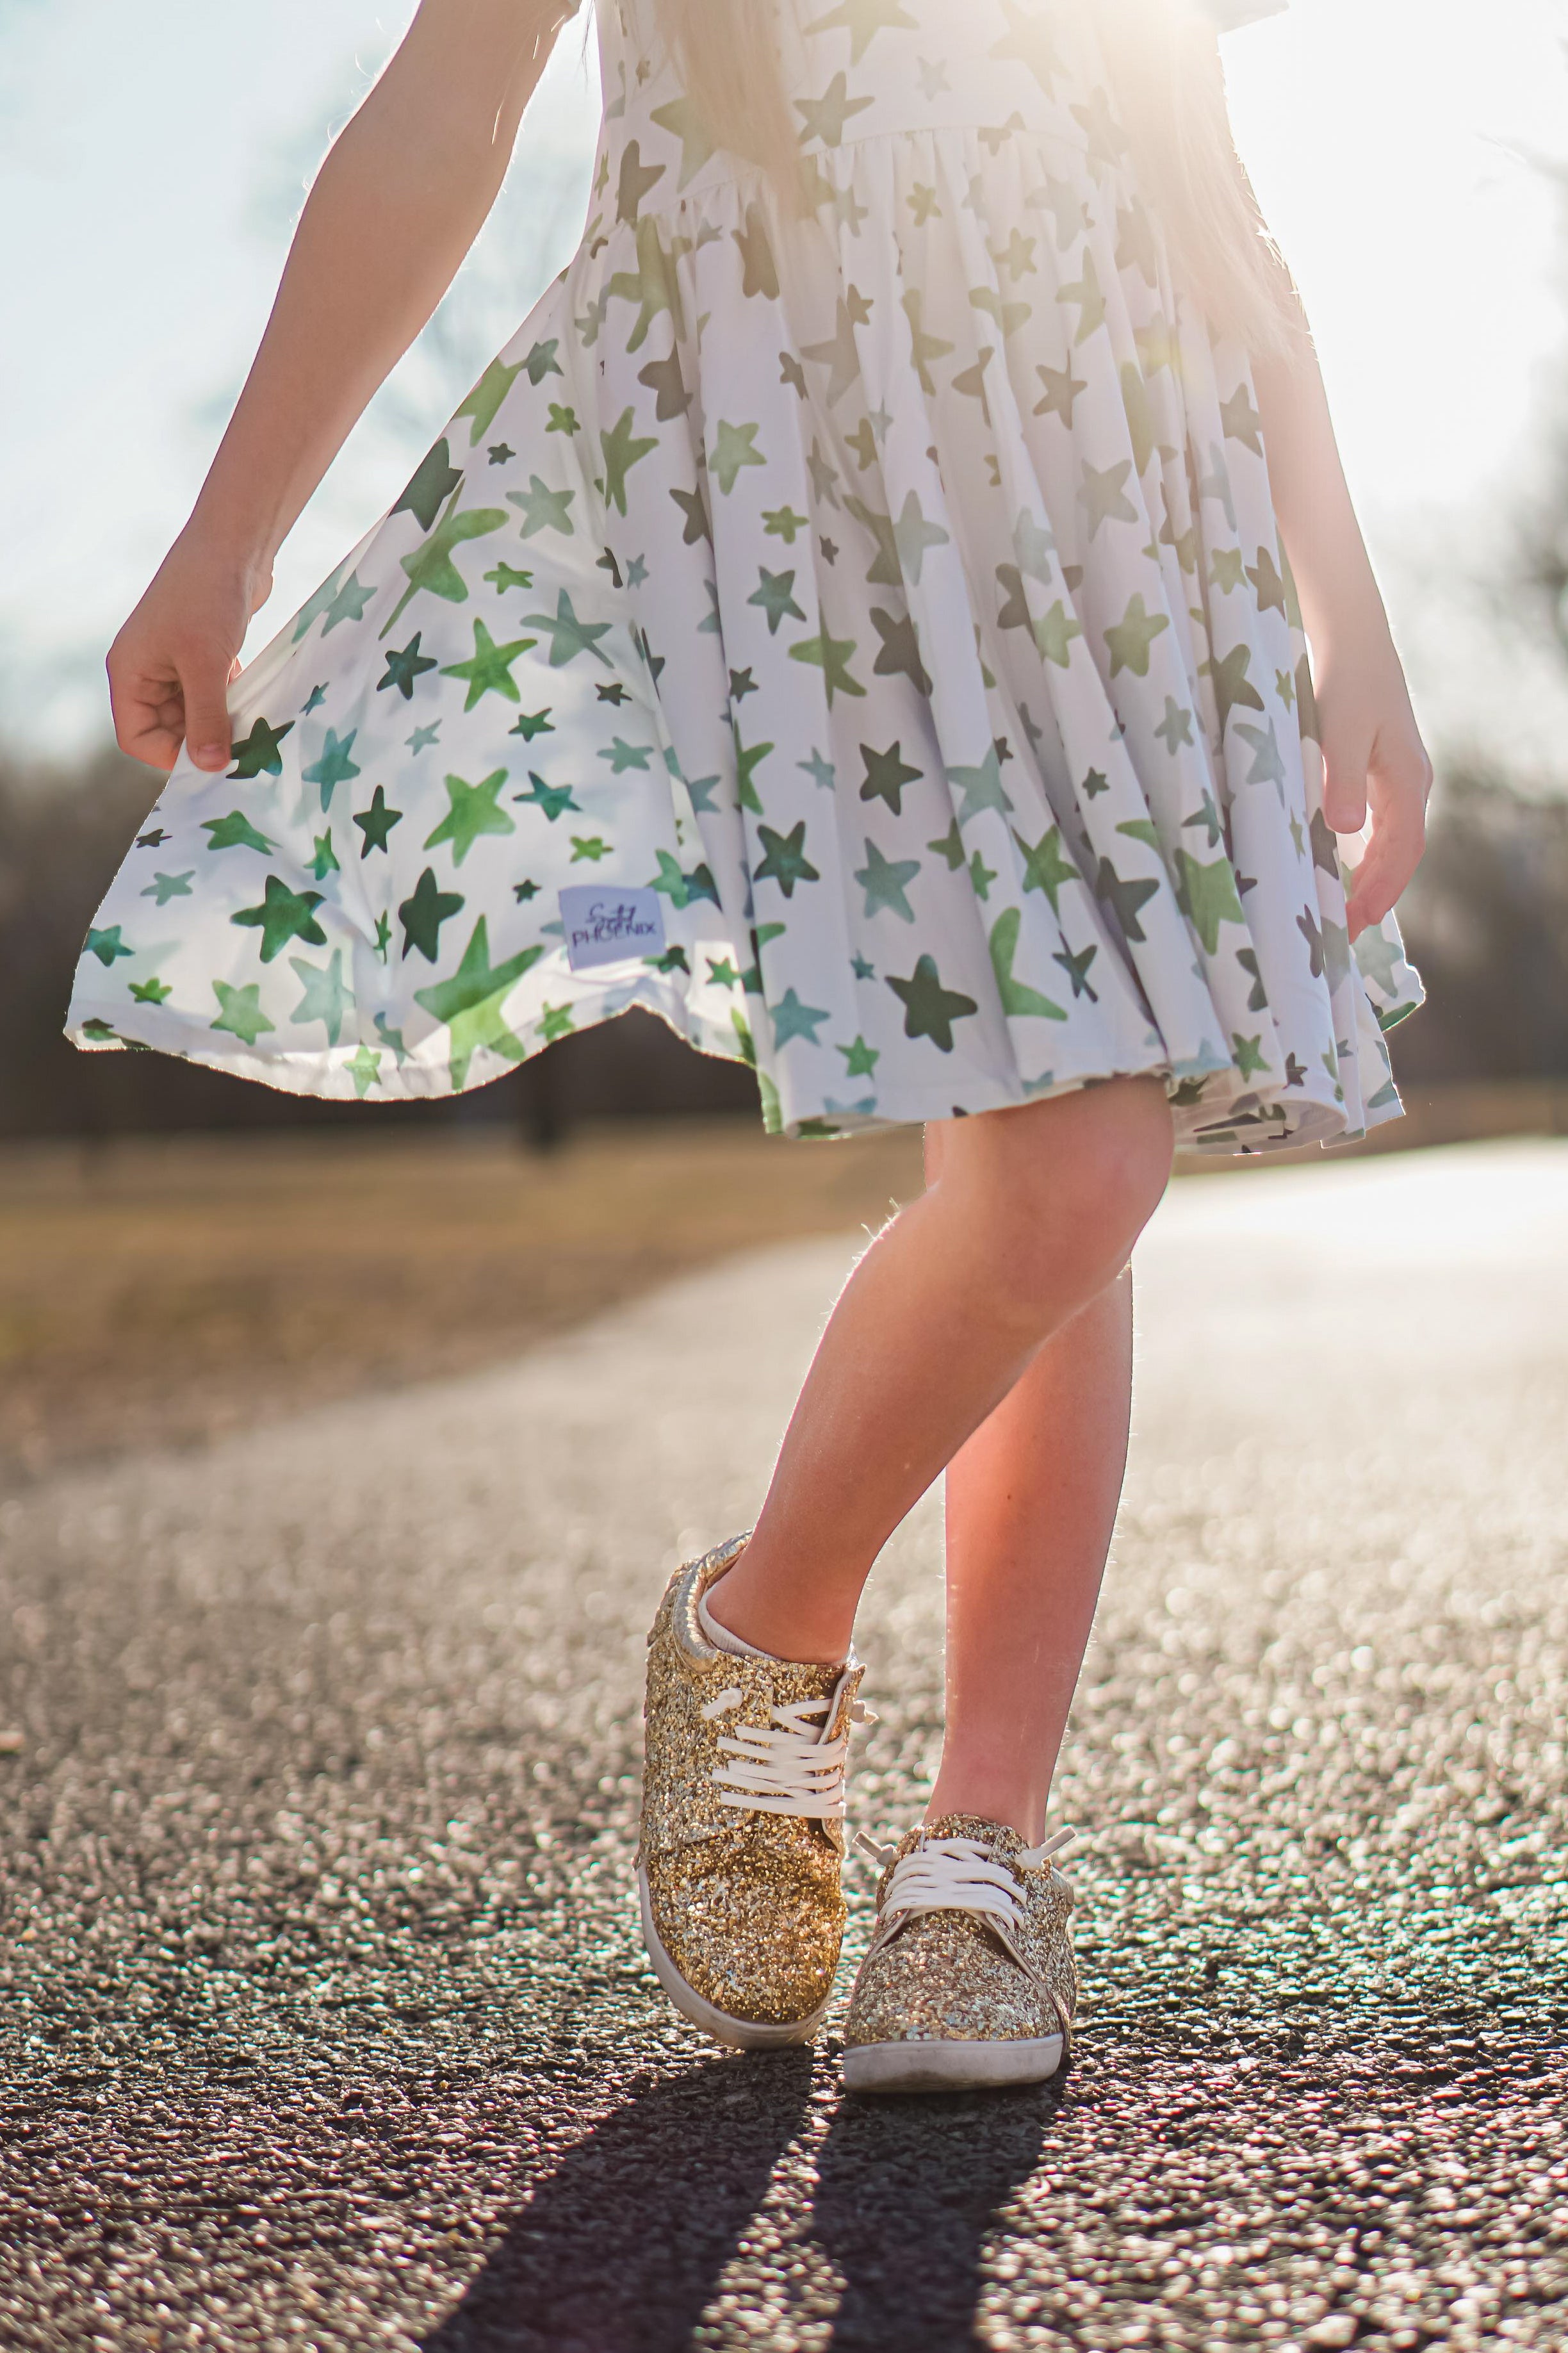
(957, 1874)
(792, 1767)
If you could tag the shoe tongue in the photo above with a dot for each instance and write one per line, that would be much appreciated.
(767, 1683)
(1002, 1841)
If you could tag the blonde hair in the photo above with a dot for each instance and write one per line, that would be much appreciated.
(1162, 60)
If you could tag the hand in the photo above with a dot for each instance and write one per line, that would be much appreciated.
(1375, 763)
(171, 664)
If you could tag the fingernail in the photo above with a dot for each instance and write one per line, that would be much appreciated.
(210, 755)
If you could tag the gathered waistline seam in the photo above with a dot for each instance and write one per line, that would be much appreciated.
(744, 170)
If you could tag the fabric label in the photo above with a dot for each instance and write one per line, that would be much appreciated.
(607, 926)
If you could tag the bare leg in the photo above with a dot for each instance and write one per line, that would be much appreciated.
(1031, 1502)
(1032, 1215)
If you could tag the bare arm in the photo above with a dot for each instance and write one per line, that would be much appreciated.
(1371, 746)
(394, 207)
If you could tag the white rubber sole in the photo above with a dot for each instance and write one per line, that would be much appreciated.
(737, 2033)
(949, 2066)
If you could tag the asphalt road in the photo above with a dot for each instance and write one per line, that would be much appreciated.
(324, 2021)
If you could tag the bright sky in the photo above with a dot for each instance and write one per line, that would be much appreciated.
(151, 157)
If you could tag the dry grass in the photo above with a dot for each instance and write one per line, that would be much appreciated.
(168, 1290)
(155, 1290)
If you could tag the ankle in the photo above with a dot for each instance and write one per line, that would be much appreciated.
(992, 1797)
(776, 1633)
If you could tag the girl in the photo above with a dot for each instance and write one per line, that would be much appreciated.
(852, 618)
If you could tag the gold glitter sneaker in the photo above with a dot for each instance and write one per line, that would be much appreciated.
(970, 1980)
(743, 1812)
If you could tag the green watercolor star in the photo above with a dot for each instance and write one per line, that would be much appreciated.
(239, 1011)
(622, 451)
(981, 787)
(335, 766)
(1054, 635)
(423, 737)
(863, 20)
(349, 604)
(532, 723)
(1045, 867)
(483, 403)
(376, 823)
(469, 1003)
(434, 479)
(748, 757)
(1176, 728)
(831, 657)
(106, 946)
(258, 755)
(1233, 690)
(784, 861)
(325, 998)
(950, 846)
(165, 887)
(1125, 897)
(422, 914)
(734, 448)
(1076, 969)
(553, 800)
(885, 882)
(1130, 638)
(569, 636)
(790, 1018)
(430, 569)
(364, 1070)
(325, 858)
(554, 1021)
(283, 915)
(980, 876)
(775, 593)
(1018, 1000)
(488, 667)
(592, 846)
(542, 360)
(887, 774)
(1250, 1057)
(405, 665)
(235, 831)
(1209, 817)
(1227, 569)
(542, 509)
(473, 811)
(782, 523)
(860, 1060)
(1206, 895)
(151, 991)
(504, 575)
(930, 1008)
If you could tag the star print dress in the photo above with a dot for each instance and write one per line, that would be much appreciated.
(862, 640)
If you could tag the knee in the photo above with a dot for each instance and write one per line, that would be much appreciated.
(1067, 1186)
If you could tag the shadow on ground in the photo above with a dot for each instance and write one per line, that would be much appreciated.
(635, 2235)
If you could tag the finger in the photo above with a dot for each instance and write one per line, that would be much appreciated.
(149, 718)
(204, 677)
(1394, 853)
(1344, 783)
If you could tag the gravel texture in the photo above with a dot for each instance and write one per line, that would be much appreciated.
(323, 2021)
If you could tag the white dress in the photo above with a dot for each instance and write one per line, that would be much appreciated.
(864, 641)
